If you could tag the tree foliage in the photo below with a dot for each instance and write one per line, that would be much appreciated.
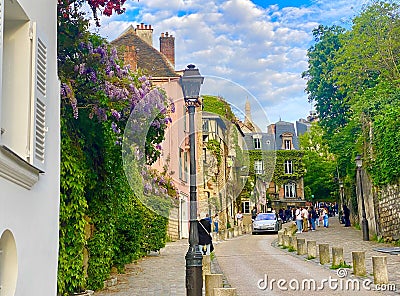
(103, 223)
(353, 78)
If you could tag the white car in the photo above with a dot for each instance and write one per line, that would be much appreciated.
(266, 222)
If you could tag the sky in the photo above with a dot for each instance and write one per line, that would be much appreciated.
(255, 50)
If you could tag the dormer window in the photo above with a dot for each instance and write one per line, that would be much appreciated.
(287, 144)
(257, 141)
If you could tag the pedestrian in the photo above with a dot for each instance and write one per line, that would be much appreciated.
(254, 213)
(205, 239)
(318, 217)
(208, 219)
(346, 212)
(239, 219)
(304, 214)
(326, 217)
(216, 223)
(299, 220)
(313, 217)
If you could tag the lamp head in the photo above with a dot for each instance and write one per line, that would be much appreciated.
(191, 82)
(358, 160)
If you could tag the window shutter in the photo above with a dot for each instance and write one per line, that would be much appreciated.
(39, 65)
(1, 50)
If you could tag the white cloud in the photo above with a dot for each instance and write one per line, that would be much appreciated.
(261, 49)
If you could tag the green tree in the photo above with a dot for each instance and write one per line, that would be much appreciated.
(320, 164)
(322, 87)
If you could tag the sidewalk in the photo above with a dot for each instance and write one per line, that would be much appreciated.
(157, 274)
(336, 235)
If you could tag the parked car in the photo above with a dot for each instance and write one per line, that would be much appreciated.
(266, 222)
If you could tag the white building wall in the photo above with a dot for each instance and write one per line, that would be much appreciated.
(31, 213)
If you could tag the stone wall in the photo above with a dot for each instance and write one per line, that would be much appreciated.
(173, 224)
(389, 212)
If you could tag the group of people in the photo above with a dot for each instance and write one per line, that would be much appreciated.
(310, 217)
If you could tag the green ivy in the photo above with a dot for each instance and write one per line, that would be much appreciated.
(385, 167)
(218, 105)
(215, 148)
(295, 156)
(73, 207)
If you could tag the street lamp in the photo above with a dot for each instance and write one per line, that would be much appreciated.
(364, 223)
(341, 192)
(191, 82)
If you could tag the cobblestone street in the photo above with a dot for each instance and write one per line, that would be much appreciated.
(157, 274)
(245, 260)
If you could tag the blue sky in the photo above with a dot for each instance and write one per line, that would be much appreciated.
(245, 49)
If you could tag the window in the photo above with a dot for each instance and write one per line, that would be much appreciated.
(205, 126)
(246, 207)
(258, 167)
(288, 167)
(184, 118)
(257, 143)
(23, 96)
(180, 164)
(185, 166)
(290, 190)
(288, 144)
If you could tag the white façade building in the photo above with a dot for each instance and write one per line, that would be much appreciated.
(29, 148)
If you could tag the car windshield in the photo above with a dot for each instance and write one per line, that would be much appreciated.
(267, 216)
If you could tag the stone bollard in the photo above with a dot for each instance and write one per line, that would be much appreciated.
(225, 292)
(230, 235)
(293, 242)
(324, 256)
(359, 267)
(226, 234)
(206, 265)
(337, 256)
(280, 237)
(379, 267)
(235, 231)
(285, 238)
(287, 231)
(212, 281)
(301, 246)
(312, 249)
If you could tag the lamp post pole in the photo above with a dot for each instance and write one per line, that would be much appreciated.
(191, 82)
(364, 222)
(341, 193)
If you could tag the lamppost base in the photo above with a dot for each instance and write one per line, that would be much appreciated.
(194, 272)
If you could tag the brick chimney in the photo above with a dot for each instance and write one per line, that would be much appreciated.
(167, 47)
(145, 32)
(130, 57)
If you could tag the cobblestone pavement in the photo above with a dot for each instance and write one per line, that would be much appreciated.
(254, 266)
(164, 273)
(336, 235)
(159, 274)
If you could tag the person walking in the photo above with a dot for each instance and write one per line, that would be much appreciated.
(239, 219)
(299, 220)
(326, 217)
(254, 213)
(216, 223)
(313, 217)
(304, 214)
(346, 212)
(205, 239)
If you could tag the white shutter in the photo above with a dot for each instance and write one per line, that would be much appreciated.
(1, 51)
(39, 75)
